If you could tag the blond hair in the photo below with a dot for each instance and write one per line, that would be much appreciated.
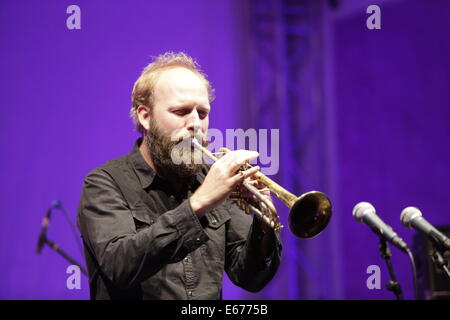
(143, 89)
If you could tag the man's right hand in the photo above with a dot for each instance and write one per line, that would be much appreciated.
(221, 180)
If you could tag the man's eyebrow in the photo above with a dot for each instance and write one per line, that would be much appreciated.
(188, 105)
(204, 107)
(179, 106)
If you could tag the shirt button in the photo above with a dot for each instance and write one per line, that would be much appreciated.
(214, 221)
(190, 293)
(198, 239)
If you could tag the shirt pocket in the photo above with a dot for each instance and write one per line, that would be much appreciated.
(142, 218)
(215, 227)
(217, 218)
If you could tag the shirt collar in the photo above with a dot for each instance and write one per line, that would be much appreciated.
(145, 173)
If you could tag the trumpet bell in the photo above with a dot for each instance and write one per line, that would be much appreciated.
(310, 214)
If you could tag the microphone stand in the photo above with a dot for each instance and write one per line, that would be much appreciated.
(437, 256)
(56, 248)
(393, 285)
(439, 260)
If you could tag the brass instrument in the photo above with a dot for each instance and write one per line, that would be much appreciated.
(309, 215)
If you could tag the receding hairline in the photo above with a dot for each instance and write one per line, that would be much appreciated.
(158, 75)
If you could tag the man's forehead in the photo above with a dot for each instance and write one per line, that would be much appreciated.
(178, 77)
(179, 81)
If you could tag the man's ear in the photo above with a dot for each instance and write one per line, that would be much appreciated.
(144, 114)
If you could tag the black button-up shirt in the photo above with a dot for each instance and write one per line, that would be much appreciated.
(143, 241)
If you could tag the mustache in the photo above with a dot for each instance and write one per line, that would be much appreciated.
(186, 137)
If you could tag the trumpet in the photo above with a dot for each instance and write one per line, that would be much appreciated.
(309, 213)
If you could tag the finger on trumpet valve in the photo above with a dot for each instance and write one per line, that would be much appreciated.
(218, 153)
(266, 193)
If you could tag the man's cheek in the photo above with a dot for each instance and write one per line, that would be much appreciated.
(205, 126)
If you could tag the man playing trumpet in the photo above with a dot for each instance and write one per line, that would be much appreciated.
(155, 229)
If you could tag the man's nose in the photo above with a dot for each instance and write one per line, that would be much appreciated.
(193, 121)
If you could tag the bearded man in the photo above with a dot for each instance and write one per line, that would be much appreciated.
(155, 228)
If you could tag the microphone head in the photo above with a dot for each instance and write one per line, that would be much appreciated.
(56, 204)
(361, 209)
(409, 214)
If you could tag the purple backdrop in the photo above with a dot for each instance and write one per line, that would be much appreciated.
(391, 112)
(65, 96)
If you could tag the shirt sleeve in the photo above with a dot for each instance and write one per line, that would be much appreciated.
(245, 265)
(125, 255)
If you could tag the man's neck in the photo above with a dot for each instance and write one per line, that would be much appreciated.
(145, 152)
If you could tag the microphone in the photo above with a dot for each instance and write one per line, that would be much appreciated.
(365, 213)
(45, 222)
(412, 218)
(56, 204)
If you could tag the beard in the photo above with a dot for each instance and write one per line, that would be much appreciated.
(174, 159)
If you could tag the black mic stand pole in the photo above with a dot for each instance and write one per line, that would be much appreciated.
(393, 284)
(437, 256)
(56, 248)
(439, 260)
